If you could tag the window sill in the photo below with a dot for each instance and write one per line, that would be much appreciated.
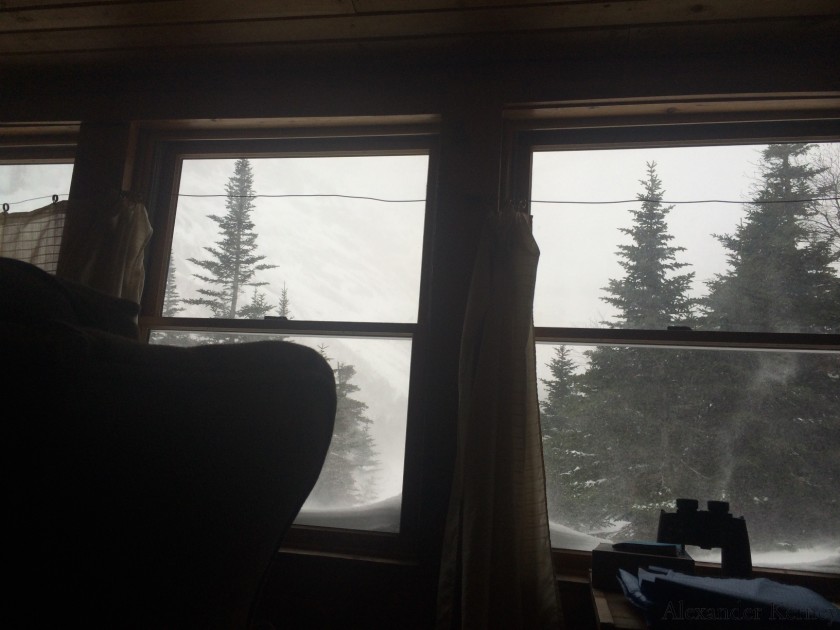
(351, 544)
(574, 566)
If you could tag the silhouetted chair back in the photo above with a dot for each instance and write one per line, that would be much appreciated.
(151, 485)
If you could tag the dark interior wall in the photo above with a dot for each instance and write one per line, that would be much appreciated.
(469, 89)
(230, 90)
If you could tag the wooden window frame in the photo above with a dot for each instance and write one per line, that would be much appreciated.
(634, 123)
(157, 151)
(38, 144)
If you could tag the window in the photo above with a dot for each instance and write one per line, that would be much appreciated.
(687, 316)
(29, 186)
(329, 237)
(32, 218)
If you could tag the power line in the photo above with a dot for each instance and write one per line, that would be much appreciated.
(555, 201)
(547, 201)
(379, 199)
(14, 203)
(689, 201)
(308, 195)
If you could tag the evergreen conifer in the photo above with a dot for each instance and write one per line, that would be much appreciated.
(233, 262)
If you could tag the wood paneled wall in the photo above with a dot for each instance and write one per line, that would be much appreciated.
(54, 31)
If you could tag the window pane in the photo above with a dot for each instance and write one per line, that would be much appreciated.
(28, 187)
(361, 483)
(331, 238)
(31, 225)
(766, 262)
(627, 430)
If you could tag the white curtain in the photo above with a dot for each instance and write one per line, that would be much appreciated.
(33, 237)
(104, 245)
(100, 244)
(496, 569)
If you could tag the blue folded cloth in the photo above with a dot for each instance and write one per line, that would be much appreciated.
(670, 599)
(632, 590)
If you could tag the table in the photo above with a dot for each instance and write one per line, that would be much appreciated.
(613, 611)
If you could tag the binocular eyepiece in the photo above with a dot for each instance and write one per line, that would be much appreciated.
(707, 529)
(692, 505)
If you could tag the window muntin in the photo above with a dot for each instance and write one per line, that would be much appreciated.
(665, 379)
(345, 228)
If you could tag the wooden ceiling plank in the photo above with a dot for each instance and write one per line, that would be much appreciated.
(343, 28)
(35, 4)
(502, 15)
(395, 6)
(150, 13)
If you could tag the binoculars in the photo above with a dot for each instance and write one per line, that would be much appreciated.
(707, 529)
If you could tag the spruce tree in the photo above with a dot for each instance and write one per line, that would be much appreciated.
(780, 409)
(640, 405)
(779, 279)
(171, 308)
(650, 295)
(823, 222)
(283, 309)
(257, 308)
(233, 262)
(349, 474)
(171, 298)
(572, 461)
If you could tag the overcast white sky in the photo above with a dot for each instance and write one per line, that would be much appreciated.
(578, 242)
(28, 187)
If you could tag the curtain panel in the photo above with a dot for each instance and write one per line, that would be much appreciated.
(104, 245)
(100, 244)
(34, 237)
(496, 569)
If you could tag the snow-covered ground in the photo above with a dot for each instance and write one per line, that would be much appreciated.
(382, 516)
(822, 558)
(567, 538)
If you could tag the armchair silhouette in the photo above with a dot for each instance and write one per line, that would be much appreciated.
(151, 486)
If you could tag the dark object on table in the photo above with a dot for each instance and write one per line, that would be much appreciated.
(608, 559)
(669, 550)
(707, 529)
